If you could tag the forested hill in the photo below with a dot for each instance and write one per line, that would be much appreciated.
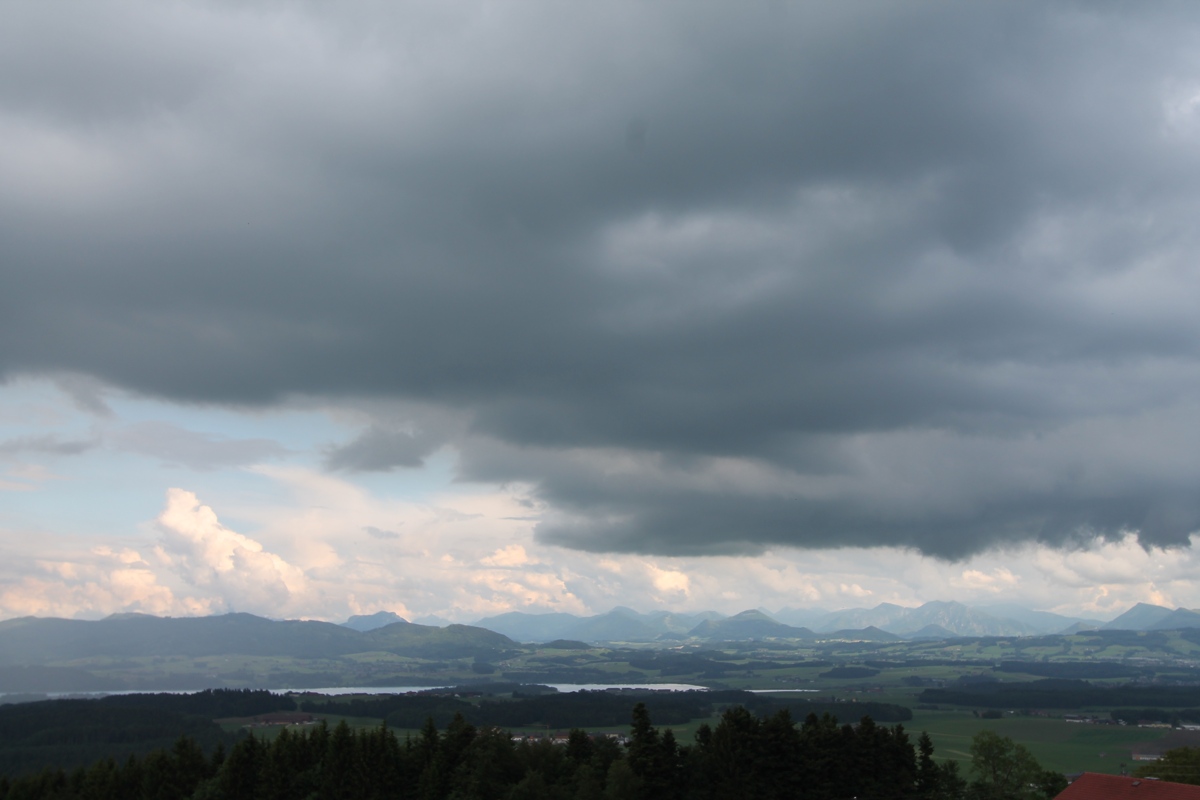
(35, 640)
(75, 732)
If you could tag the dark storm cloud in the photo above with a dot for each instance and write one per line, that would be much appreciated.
(877, 257)
(379, 449)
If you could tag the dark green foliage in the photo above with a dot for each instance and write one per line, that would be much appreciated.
(402, 711)
(730, 756)
(653, 758)
(588, 709)
(927, 769)
(1061, 693)
(165, 775)
(1181, 765)
(557, 710)
(238, 779)
(766, 705)
(210, 703)
(1005, 770)
(1081, 670)
(746, 756)
(1172, 716)
(749, 756)
(850, 672)
(487, 766)
(705, 665)
(70, 733)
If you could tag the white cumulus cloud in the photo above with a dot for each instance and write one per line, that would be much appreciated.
(233, 569)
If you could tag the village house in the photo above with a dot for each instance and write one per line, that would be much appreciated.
(1096, 786)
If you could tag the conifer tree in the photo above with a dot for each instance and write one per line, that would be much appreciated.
(238, 779)
(341, 769)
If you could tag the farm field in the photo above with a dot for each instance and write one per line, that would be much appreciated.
(1061, 746)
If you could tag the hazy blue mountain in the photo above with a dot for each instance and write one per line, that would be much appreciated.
(804, 617)
(567, 644)
(676, 623)
(1042, 621)
(618, 625)
(1138, 618)
(881, 616)
(1177, 619)
(524, 627)
(935, 619)
(748, 625)
(369, 622)
(868, 634)
(35, 640)
(453, 641)
(1002, 619)
(621, 624)
(932, 632)
(432, 619)
(964, 621)
(958, 619)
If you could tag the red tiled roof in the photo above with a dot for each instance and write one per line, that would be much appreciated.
(1095, 786)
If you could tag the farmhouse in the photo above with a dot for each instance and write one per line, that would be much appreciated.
(1095, 786)
(283, 718)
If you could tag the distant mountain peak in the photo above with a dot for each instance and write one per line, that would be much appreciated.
(932, 632)
(369, 622)
(753, 613)
(1140, 617)
(944, 604)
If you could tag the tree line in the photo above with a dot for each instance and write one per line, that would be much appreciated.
(599, 709)
(743, 756)
(73, 732)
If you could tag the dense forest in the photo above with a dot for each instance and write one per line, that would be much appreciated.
(743, 756)
(68, 733)
(600, 709)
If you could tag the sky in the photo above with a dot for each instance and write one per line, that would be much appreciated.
(457, 308)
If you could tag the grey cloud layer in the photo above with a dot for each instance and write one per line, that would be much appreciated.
(200, 451)
(709, 278)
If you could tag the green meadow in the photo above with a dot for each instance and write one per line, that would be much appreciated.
(1058, 745)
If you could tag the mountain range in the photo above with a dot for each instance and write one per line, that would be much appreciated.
(38, 640)
(1146, 617)
(933, 620)
(127, 651)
